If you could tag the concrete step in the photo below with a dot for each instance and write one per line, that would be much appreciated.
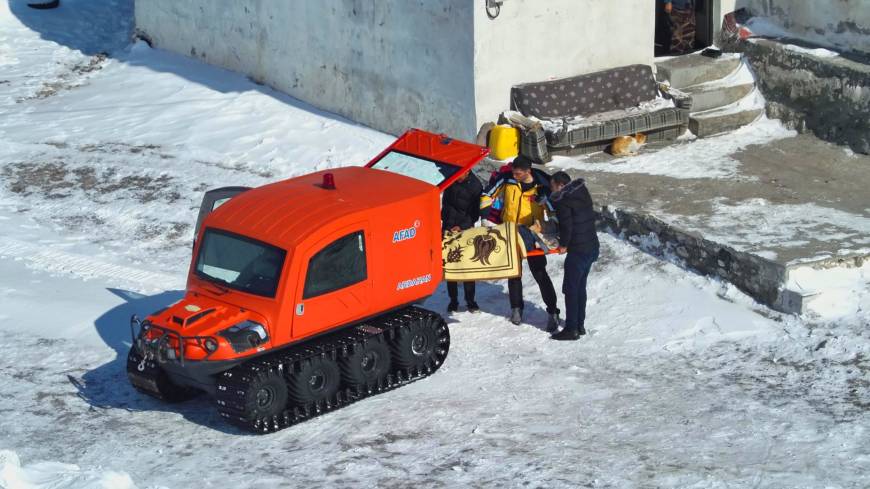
(706, 97)
(693, 69)
(710, 123)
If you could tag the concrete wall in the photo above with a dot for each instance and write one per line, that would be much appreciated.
(535, 40)
(441, 65)
(389, 64)
(841, 23)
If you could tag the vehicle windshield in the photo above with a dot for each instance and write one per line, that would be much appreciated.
(240, 263)
(433, 172)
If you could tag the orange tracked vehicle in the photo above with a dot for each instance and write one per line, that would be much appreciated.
(301, 295)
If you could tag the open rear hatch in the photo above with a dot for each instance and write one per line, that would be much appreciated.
(432, 158)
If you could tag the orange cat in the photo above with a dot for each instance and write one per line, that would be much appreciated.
(627, 145)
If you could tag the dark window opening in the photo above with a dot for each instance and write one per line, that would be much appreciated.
(683, 26)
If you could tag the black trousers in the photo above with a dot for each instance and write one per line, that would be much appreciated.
(577, 266)
(453, 291)
(538, 267)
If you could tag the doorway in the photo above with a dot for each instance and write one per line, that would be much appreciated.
(683, 26)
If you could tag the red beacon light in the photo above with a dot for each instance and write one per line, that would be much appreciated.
(328, 181)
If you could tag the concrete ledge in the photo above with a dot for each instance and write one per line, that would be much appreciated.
(689, 70)
(760, 278)
(708, 98)
(711, 123)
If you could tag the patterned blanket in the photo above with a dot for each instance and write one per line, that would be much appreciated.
(683, 37)
(482, 253)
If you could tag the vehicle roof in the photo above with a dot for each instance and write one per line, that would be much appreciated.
(286, 212)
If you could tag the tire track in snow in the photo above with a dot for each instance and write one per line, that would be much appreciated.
(85, 267)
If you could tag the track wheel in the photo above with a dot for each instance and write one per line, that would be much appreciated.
(368, 364)
(265, 396)
(419, 344)
(318, 380)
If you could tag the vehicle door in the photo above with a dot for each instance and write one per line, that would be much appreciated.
(212, 200)
(334, 286)
(432, 158)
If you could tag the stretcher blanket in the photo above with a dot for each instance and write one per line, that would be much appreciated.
(482, 253)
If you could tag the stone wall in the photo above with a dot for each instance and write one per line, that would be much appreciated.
(761, 279)
(829, 96)
(839, 23)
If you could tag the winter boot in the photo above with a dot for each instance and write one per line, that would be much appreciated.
(452, 307)
(553, 322)
(517, 315)
(567, 334)
(473, 307)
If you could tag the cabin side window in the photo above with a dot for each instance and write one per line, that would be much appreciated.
(340, 264)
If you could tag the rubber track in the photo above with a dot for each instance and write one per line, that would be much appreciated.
(231, 385)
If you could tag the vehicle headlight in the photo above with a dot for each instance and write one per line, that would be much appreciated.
(245, 335)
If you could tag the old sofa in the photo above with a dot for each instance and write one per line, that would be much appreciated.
(583, 114)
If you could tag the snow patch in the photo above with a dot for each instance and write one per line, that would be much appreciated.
(753, 100)
(780, 224)
(845, 40)
(53, 475)
(834, 293)
(818, 52)
(742, 75)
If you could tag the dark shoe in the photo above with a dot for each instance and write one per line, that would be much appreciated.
(567, 335)
(473, 307)
(581, 331)
(452, 307)
(553, 322)
(517, 316)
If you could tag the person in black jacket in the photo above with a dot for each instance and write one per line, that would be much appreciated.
(460, 210)
(578, 238)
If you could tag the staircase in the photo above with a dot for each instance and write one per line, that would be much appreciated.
(723, 91)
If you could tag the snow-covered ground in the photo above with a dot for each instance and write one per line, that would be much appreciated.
(682, 381)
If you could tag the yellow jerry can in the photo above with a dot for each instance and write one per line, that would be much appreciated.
(504, 142)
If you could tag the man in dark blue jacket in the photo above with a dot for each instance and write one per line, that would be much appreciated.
(460, 210)
(578, 238)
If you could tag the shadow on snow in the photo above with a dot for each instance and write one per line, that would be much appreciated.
(107, 386)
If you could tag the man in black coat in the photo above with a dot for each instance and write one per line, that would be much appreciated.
(460, 210)
(577, 237)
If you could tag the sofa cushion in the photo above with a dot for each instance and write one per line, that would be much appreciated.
(584, 95)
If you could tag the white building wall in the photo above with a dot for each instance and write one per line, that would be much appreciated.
(389, 64)
(535, 40)
(440, 65)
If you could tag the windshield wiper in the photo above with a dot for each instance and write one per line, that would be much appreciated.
(221, 285)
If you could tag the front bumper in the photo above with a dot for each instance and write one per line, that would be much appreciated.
(151, 361)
